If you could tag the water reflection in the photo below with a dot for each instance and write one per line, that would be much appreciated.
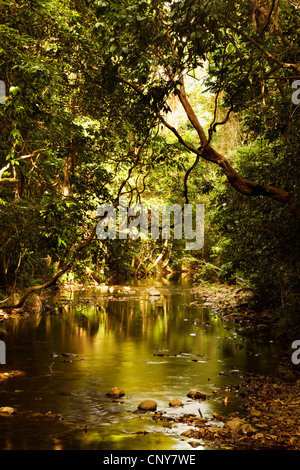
(149, 349)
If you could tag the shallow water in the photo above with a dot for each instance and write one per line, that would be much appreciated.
(149, 349)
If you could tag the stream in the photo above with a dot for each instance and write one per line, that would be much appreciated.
(86, 342)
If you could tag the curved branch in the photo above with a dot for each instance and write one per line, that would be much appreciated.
(241, 184)
(238, 182)
(263, 50)
(32, 289)
(186, 176)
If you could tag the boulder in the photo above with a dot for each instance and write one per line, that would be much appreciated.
(255, 412)
(239, 426)
(147, 405)
(194, 443)
(66, 354)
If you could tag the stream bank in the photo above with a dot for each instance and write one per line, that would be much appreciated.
(269, 419)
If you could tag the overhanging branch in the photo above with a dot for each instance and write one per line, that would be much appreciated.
(208, 153)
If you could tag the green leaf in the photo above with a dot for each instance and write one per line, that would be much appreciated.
(14, 90)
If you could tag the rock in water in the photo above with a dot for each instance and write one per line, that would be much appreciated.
(153, 292)
(115, 392)
(147, 405)
(175, 402)
(8, 410)
(196, 395)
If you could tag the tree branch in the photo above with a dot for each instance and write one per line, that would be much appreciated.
(263, 50)
(238, 182)
(268, 17)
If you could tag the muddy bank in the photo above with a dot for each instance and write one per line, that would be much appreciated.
(232, 304)
(229, 301)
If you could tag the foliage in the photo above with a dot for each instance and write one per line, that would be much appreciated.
(259, 239)
(60, 128)
(92, 112)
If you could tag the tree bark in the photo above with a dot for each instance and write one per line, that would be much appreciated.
(241, 184)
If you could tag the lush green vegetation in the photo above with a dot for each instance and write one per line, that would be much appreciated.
(165, 102)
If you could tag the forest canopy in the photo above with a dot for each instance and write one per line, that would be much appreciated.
(164, 102)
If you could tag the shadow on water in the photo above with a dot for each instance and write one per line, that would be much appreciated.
(90, 341)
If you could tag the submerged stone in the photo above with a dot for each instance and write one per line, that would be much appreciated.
(118, 400)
